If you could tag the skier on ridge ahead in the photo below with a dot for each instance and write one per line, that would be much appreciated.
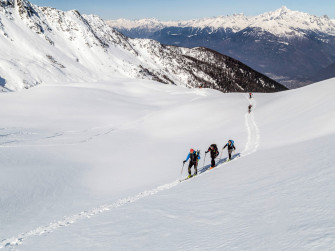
(249, 108)
(194, 157)
(230, 148)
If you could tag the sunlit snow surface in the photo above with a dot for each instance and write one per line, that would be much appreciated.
(97, 167)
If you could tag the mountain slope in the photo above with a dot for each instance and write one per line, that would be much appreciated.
(326, 73)
(103, 172)
(45, 45)
(288, 46)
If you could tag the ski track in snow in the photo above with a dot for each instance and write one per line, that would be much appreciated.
(68, 220)
(251, 147)
(253, 131)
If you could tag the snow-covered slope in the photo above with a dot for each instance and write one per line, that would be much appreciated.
(282, 22)
(45, 45)
(96, 166)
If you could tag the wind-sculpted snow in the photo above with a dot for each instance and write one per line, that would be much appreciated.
(17, 137)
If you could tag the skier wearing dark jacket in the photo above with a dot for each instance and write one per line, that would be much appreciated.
(230, 146)
(214, 153)
(194, 157)
(249, 108)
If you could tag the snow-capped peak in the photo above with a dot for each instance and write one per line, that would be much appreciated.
(284, 9)
(67, 46)
(282, 22)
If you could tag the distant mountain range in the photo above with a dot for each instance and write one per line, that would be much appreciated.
(288, 46)
(40, 45)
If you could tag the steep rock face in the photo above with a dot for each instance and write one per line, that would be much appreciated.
(45, 45)
(288, 46)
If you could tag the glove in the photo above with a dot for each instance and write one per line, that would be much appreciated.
(206, 152)
(184, 161)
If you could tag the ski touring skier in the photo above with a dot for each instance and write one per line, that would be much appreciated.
(249, 108)
(194, 157)
(230, 146)
(250, 95)
(213, 149)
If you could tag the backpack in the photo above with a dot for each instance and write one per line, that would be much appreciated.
(215, 149)
(194, 156)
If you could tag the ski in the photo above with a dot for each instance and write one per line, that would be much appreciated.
(187, 178)
(234, 157)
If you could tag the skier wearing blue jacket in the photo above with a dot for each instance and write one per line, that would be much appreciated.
(230, 146)
(194, 157)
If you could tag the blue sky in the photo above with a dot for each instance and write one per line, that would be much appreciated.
(186, 9)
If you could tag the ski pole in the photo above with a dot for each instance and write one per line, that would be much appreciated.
(182, 169)
(220, 155)
(204, 160)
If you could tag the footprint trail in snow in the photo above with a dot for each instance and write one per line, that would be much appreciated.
(253, 131)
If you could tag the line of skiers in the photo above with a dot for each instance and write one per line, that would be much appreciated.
(250, 106)
(194, 156)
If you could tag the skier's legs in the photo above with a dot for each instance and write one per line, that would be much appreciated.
(196, 168)
(189, 167)
(213, 162)
(229, 152)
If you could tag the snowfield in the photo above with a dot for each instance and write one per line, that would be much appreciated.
(96, 166)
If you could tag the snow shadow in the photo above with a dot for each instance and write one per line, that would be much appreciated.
(219, 162)
(2, 82)
(234, 156)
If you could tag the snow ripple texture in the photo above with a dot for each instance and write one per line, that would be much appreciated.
(22, 137)
(251, 147)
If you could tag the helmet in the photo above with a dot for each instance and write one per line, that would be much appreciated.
(191, 150)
